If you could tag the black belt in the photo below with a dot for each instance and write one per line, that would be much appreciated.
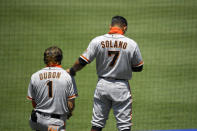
(110, 78)
(51, 115)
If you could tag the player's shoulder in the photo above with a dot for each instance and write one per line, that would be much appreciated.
(36, 73)
(65, 74)
(97, 38)
(130, 41)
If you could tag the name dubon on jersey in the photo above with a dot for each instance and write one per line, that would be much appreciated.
(50, 88)
(115, 56)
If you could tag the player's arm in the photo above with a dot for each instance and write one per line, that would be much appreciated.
(33, 103)
(72, 94)
(71, 105)
(30, 94)
(137, 62)
(85, 58)
(79, 64)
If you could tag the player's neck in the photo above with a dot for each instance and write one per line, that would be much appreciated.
(116, 30)
(53, 65)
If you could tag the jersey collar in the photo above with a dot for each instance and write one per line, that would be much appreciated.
(115, 30)
(54, 65)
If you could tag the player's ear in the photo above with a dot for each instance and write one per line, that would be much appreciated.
(125, 28)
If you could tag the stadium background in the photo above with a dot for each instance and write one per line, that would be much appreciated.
(164, 94)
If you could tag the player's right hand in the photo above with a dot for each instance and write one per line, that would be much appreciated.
(71, 71)
(69, 115)
(68, 71)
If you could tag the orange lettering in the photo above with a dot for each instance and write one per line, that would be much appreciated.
(58, 75)
(125, 45)
(107, 43)
(111, 44)
(41, 76)
(53, 128)
(49, 75)
(45, 75)
(115, 44)
(120, 44)
(54, 74)
(102, 43)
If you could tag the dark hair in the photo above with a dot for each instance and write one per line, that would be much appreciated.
(53, 55)
(119, 20)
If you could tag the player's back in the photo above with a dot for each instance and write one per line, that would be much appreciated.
(51, 87)
(114, 56)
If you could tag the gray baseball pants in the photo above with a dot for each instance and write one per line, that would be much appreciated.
(115, 94)
(46, 123)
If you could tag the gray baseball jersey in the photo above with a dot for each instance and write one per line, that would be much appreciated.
(50, 88)
(115, 56)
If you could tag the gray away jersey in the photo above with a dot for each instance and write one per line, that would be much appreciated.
(50, 88)
(115, 56)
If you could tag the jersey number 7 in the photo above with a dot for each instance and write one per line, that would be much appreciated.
(115, 55)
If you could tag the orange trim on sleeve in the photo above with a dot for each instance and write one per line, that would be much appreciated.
(141, 63)
(73, 96)
(85, 59)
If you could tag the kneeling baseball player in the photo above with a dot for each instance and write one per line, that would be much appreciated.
(52, 92)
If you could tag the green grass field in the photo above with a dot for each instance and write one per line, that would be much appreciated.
(164, 94)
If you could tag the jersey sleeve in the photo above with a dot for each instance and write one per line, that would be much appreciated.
(137, 58)
(30, 92)
(90, 52)
(72, 89)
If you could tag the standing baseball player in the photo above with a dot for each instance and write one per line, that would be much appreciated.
(116, 58)
(52, 92)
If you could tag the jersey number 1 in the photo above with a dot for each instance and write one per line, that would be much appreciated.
(50, 88)
(115, 57)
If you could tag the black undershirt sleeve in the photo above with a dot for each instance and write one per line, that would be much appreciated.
(137, 69)
(82, 61)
